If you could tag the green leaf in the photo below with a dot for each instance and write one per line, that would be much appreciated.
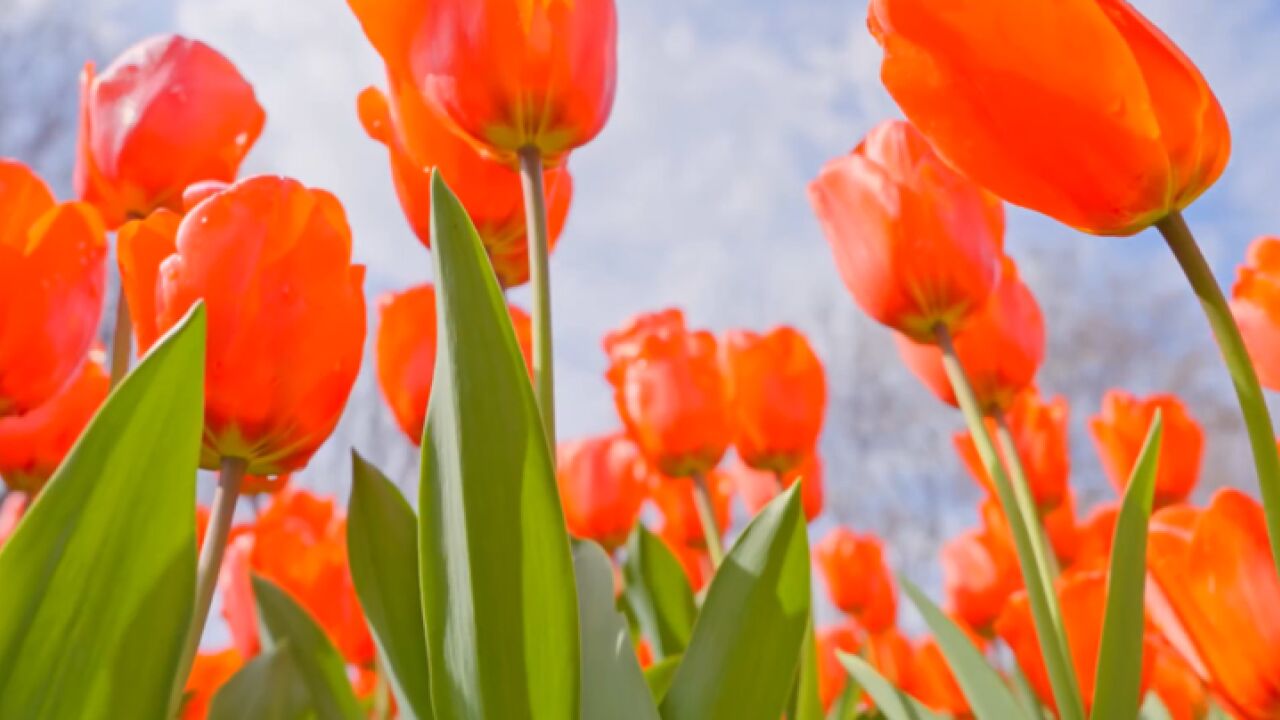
(1118, 681)
(659, 594)
(612, 684)
(269, 687)
(382, 543)
(99, 578)
(983, 687)
(806, 704)
(660, 674)
(892, 702)
(746, 643)
(1154, 709)
(318, 664)
(497, 590)
(845, 706)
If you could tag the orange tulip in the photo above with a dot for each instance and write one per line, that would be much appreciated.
(142, 245)
(271, 259)
(777, 397)
(418, 141)
(512, 74)
(1039, 430)
(832, 677)
(52, 271)
(1221, 606)
(1095, 536)
(1121, 428)
(858, 578)
(1059, 524)
(12, 508)
(209, 672)
(680, 521)
(933, 683)
(1108, 141)
(1082, 595)
(1255, 302)
(406, 353)
(32, 446)
(167, 113)
(892, 655)
(1001, 347)
(602, 485)
(1179, 688)
(916, 243)
(979, 574)
(758, 487)
(670, 393)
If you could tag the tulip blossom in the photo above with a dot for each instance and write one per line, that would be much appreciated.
(142, 245)
(271, 260)
(1120, 430)
(1221, 595)
(917, 244)
(1108, 140)
(52, 271)
(777, 397)
(670, 392)
(516, 74)
(979, 574)
(891, 654)
(1095, 536)
(1059, 524)
(1180, 690)
(674, 497)
(419, 142)
(210, 671)
(32, 446)
(933, 683)
(602, 486)
(12, 508)
(758, 487)
(1255, 303)
(832, 677)
(1001, 347)
(858, 579)
(168, 113)
(1039, 430)
(406, 353)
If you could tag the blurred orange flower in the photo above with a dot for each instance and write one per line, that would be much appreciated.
(271, 259)
(758, 487)
(932, 682)
(674, 498)
(916, 243)
(777, 397)
(406, 352)
(32, 446)
(1001, 347)
(832, 677)
(1108, 142)
(1059, 525)
(1255, 302)
(1121, 428)
(209, 672)
(52, 271)
(1095, 536)
(1180, 689)
(858, 579)
(892, 655)
(979, 574)
(1039, 430)
(602, 486)
(167, 113)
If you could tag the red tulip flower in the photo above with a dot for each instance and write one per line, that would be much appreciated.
(777, 397)
(1181, 691)
(1108, 140)
(674, 497)
(406, 353)
(32, 446)
(979, 574)
(1001, 347)
(758, 487)
(209, 673)
(858, 578)
(1095, 536)
(933, 683)
(1120, 430)
(917, 244)
(1039, 430)
(832, 677)
(168, 113)
(602, 486)
(1256, 306)
(52, 271)
(271, 260)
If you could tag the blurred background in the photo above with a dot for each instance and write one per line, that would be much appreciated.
(694, 196)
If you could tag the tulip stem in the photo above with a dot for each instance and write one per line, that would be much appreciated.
(1022, 492)
(215, 545)
(707, 518)
(121, 340)
(535, 205)
(1253, 403)
(1031, 556)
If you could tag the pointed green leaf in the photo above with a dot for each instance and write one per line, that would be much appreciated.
(612, 684)
(99, 578)
(746, 643)
(318, 664)
(382, 542)
(1118, 682)
(806, 704)
(982, 686)
(269, 687)
(497, 590)
(660, 674)
(658, 592)
(893, 703)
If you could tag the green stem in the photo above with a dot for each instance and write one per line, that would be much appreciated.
(707, 516)
(215, 545)
(1253, 403)
(121, 340)
(1040, 591)
(535, 205)
(1024, 496)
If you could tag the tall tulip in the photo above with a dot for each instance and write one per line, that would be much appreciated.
(917, 244)
(1039, 430)
(1120, 430)
(602, 486)
(858, 578)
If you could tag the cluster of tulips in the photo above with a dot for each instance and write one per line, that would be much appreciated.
(594, 577)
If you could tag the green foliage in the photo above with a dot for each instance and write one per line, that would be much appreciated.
(658, 592)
